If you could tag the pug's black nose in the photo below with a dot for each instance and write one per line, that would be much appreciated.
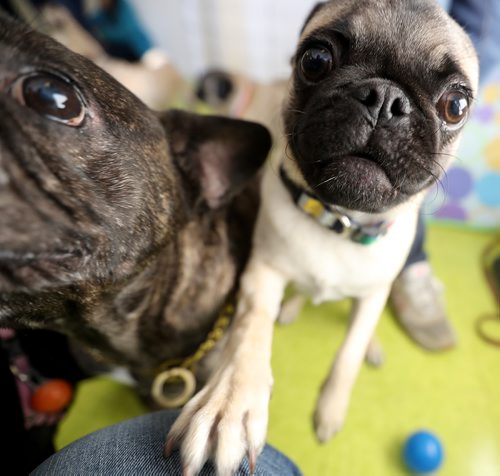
(384, 101)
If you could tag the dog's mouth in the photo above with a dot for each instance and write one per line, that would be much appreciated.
(355, 175)
(368, 169)
(361, 181)
(374, 170)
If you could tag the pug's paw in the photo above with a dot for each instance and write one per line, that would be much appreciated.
(224, 421)
(374, 353)
(330, 413)
(291, 308)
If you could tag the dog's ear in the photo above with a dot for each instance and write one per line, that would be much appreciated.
(313, 12)
(215, 155)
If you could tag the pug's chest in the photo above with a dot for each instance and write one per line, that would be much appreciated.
(335, 268)
(321, 263)
(334, 279)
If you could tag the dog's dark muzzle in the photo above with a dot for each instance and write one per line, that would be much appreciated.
(364, 146)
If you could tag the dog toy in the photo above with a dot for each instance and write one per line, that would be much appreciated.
(423, 452)
(52, 396)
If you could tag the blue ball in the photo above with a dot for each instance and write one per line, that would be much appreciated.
(423, 452)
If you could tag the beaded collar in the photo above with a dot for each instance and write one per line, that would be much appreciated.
(327, 216)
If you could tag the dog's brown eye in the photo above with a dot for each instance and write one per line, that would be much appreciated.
(51, 97)
(316, 63)
(453, 107)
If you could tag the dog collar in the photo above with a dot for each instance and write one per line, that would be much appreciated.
(328, 217)
(181, 372)
(174, 381)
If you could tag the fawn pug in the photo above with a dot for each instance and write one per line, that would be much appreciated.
(379, 94)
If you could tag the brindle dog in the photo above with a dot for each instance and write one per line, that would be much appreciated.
(122, 228)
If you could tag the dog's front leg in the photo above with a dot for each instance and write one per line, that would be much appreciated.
(229, 416)
(333, 401)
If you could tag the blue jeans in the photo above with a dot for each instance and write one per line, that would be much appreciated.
(481, 20)
(135, 447)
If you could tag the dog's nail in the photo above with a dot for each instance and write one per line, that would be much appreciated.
(252, 460)
(169, 446)
(186, 471)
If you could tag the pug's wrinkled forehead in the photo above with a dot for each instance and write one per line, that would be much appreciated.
(387, 34)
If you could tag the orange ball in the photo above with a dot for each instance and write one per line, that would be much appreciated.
(52, 396)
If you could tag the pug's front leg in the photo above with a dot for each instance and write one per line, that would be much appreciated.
(228, 417)
(331, 408)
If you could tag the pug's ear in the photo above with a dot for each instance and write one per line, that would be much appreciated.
(313, 12)
(216, 155)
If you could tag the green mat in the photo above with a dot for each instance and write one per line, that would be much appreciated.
(456, 394)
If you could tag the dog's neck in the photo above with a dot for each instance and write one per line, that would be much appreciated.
(170, 306)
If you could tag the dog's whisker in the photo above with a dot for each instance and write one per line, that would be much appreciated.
(330, 179)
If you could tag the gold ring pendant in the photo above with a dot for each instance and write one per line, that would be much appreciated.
(177, 397)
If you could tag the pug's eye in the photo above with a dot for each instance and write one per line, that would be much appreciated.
(51, 97)
(453, 107)
(316, 63)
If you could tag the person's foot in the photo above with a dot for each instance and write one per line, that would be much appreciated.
(416, 298)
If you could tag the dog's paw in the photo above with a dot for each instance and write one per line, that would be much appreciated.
(291, 308)
(330, 413)
(326, 426)
(224, 421)
(374, 353)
